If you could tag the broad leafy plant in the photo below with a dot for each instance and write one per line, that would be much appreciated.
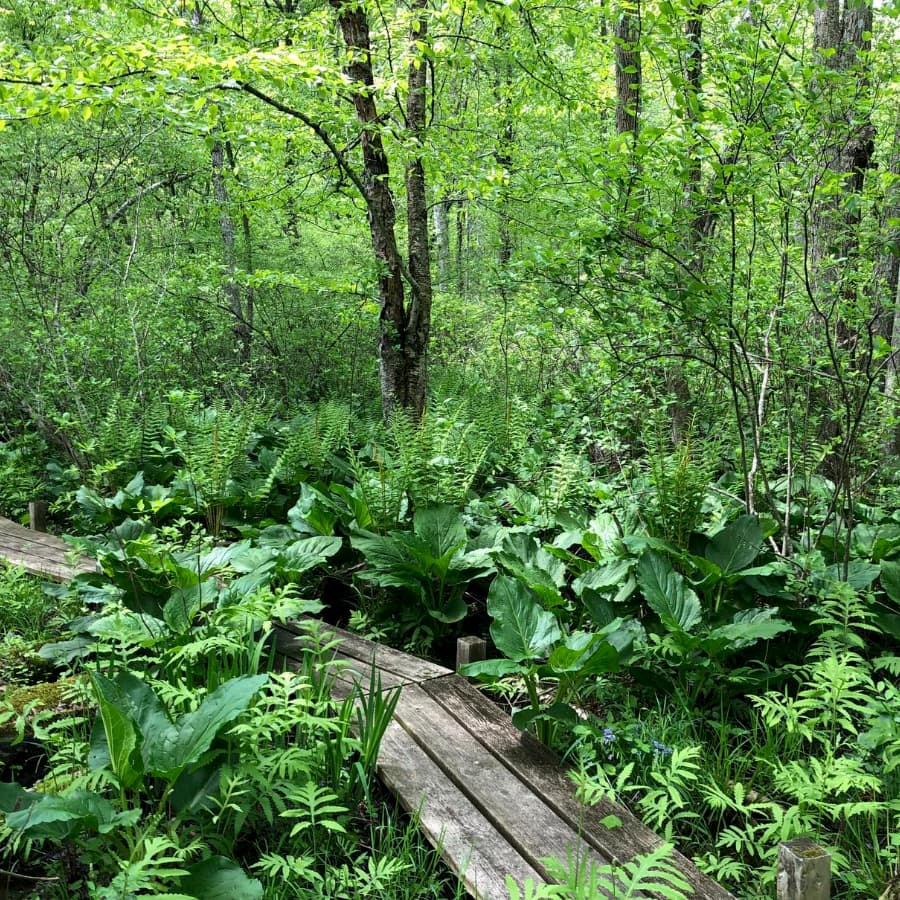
(429, 564)
(536, 650)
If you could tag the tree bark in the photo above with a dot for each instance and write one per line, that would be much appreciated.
(241, 328)
(628, 69)
(842, 38)
(404, 328)
(442, 241)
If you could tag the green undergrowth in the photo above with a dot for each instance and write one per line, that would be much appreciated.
(728, 675)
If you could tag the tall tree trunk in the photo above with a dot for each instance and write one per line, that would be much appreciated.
(404, 327)
(628, 69)
(418, 316)
(842, 40)
(242, 328)
(441, 217)
(887, 281)
(691, 101)
(693, 235)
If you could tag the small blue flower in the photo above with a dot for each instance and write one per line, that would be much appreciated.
(608, 735)
(660, 749)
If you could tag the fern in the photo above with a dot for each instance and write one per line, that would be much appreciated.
(579, 879)
(310, 439)
(214, 447)
(679, 477)
(155, 862)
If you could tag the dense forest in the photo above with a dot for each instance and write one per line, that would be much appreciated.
(574, 326)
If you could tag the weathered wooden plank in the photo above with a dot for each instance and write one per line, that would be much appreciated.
(34, 564)
(530, 825)
(38, 553)
(409, 668)
(542, 774)
(290, 648)
(469, 843)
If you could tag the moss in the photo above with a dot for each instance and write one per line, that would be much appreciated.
(48, 695)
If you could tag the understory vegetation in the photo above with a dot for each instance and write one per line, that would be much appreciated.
(641, 622)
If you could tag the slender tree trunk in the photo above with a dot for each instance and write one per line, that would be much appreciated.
(461, 258)
(628, 69)
(442, 241)
(404, 328)
(418, 317)
(241, 328)
(842, 40)
(887, 282)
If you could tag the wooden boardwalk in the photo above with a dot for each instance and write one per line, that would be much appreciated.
(495, 800)
(38, 553)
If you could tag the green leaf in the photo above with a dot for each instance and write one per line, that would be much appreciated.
(13, 797)
(890, 579)
(556, 712)
(306, 554)
(522, 629)
(736, 545)
(453, 610)
(586, 653)
(168, 752)
(442, 529)
(607, 576)
(746, 628)
(521, 555)
(120, 730)
(666, 594)
(492, 669)
(217, 877)
(60, 816)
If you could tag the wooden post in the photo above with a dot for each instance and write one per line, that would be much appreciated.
(37, 515)
(470, 649)
(804, 871)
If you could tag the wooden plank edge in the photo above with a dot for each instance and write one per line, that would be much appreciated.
(387, 658)
(473, 848)
(541, 769)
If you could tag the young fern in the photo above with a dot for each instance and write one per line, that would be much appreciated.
(214, 447)
(651, 873)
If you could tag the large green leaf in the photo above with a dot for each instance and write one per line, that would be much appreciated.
(454, 609)
(890, 579)
(746, 628)
(605, 577)
(490, 669)
(736, 545)
(169, 751)
(120, 729)
(384, 556)
(522, 629)
(59, 816)
(521, 555)
(217, 877)
(666, 593)
(306, 554)
(441, 528)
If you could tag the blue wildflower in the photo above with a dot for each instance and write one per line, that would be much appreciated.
(608, 735)
(660, 749)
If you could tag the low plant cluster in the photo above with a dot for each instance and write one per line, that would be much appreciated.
(180, 764)
(729, 675)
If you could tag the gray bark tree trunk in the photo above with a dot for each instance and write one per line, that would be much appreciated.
(233, 294)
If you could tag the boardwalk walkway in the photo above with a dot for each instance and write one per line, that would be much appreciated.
(493, 798)
(38, 553)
